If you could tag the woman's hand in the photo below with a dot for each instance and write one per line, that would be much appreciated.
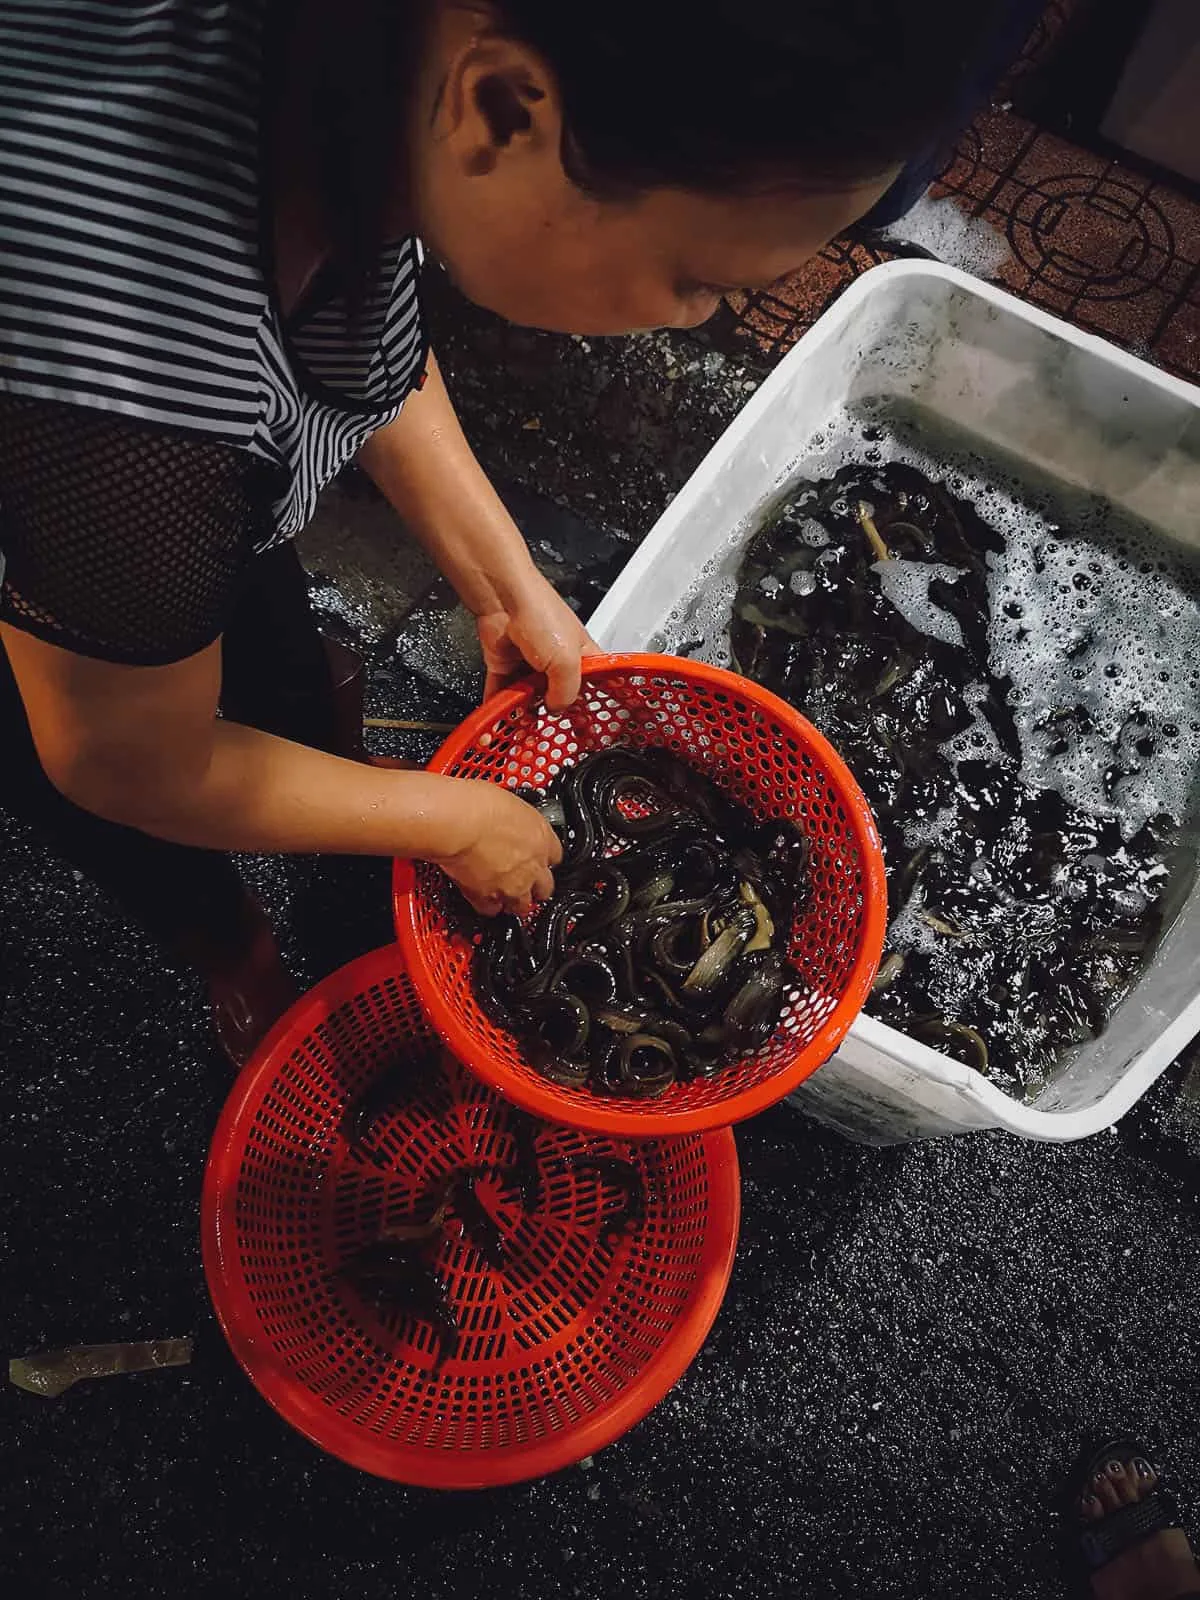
(508, 851)
(540, 631)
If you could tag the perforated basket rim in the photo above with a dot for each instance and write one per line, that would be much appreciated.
(606, 1115)
(416, 1465)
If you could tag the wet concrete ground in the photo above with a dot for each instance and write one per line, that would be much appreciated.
(915, 1340)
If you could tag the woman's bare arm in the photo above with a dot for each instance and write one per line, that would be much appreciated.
(143, 746)
(424, 465)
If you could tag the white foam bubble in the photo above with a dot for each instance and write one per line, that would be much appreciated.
(953, 236)
(977, 741)
(699, 625)
(1110, 628)
(906, 585)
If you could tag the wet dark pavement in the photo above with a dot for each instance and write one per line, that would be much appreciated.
(915, 1341)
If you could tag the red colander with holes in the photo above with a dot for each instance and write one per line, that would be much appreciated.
(576, 1310)
(764, 754)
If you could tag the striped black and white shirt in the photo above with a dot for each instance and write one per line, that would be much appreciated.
(141, 347)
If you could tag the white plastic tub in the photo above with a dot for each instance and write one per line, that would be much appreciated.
(1069, 404)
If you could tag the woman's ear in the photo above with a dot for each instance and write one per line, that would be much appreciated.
(498, 101)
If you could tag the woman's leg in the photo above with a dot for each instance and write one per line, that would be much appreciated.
(282, 675)
(277, 672)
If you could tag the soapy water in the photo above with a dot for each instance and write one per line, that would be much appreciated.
(1095, 620)
(906, 585)
(1093, 642)
(951, 235)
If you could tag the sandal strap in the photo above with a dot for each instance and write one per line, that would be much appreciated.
(1118, 1531)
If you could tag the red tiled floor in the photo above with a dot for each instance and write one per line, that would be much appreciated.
(1041, 155)
(1089, 239)
(1136, 324)
(998, 142)
(1178, 346)
(1100, 237)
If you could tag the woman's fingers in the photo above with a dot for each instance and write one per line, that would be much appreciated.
(563, 676)
(547, 638)
(495, 682)
(515, 904)
(487, 905)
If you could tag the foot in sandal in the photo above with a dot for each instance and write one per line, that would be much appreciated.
(1125, 1527)
(249, 988)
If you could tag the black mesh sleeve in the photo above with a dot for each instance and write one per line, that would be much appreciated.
(121, 541)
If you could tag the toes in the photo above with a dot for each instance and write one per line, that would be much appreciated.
(1090, 1508)
(1124, 1481)
(1104, 1486)
(1115, 1484)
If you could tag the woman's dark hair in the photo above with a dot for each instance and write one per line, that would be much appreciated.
(719, 96)
(723, 96)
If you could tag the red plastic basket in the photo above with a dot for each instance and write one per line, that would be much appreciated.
(763, 753)
(562, 1349)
